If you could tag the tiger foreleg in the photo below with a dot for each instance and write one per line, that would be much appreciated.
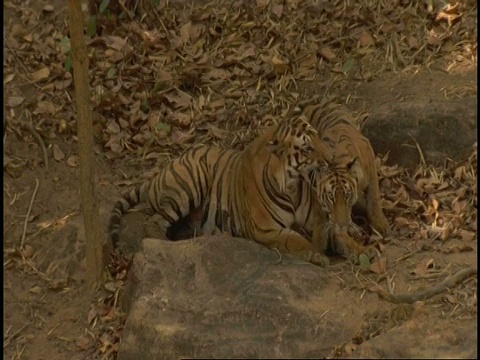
(317, 225)
(346, 246)
(289, 241)
(374, 210)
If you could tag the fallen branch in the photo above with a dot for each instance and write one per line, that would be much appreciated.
(28, 213)
(449, 282)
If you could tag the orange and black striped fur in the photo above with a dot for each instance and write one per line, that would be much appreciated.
(347, 177)
(260, 195)
(179, 189)
(255, 193)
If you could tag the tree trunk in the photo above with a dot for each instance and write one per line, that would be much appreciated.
(93, 233)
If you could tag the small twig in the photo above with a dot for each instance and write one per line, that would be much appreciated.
(37, 183)
(449, 282)
(407, 255)
(423, 163)
(39, 139)
(12, 336)
(279, 256)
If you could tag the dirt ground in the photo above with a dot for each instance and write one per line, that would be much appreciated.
(50, 314)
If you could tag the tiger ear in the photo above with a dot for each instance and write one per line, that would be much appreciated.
(354, 167)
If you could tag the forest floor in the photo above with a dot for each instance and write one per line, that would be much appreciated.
(166, 78)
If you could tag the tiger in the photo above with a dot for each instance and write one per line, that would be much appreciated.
(181, 188)
(259, 195)
(256, 193)
(347, 176)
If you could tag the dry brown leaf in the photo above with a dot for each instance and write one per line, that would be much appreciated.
(387, 28)
(219, 103)
(35, 289)
(14, 101)
(92, 314)
(379, 266)
(180, 98)
(40, 74)
(115, 42)
(280, 66)
(467, 236)
(58, 154)
(8, 78)
(327, 53)
(28, 38)
(423, 266)
(365, 39)
(277, 10)
(181, 119)
(113, 127)
(185, 32)
(84, 342)
(216, 74)
(73, 161)
(262, 3)
(114, 56)
(413, 42)
(180, 137)
(27, 251)
(46, 107)
(401, 222)
(458, 248)
(217, 133)
(163, 75)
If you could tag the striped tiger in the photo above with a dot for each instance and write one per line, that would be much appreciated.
(259, 195)
(255, 193)
(347, 176)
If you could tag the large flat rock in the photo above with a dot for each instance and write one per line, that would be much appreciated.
(225, 297)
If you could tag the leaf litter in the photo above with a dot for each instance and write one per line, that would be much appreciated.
(175, 76)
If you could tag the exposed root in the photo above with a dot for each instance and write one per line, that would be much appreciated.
(449, 282)
(39, 139)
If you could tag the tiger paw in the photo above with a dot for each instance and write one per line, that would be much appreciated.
(371, 252)
(381, 225)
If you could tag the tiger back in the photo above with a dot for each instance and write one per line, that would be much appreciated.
(258, 194)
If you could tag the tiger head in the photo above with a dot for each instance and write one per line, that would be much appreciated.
(296, 144)
(335, 185)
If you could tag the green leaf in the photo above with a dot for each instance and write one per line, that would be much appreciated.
(348, 65)
(111, 72)
(145, 106)
(104, 5)
(155, 2)
(65, 45)
(364, 261)
(68, 63)
(92, 26)
(163, 126)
